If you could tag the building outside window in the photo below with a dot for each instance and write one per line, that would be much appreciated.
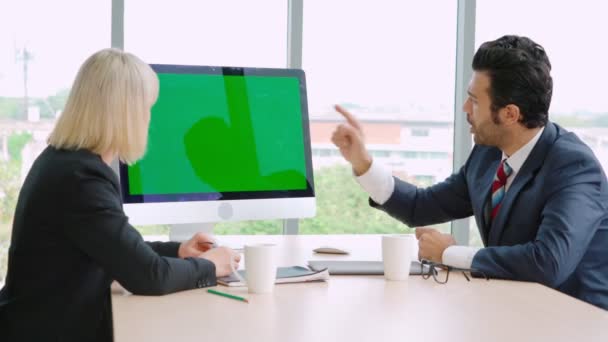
(386, 73)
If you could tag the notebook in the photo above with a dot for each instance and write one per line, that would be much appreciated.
(350, 267)
(293, 274)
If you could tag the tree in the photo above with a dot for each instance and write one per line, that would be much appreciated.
(9, 189)
(600, 120)
(16, 142)
(10, 107)
(57, 102)
(343, 207)
(3, 258)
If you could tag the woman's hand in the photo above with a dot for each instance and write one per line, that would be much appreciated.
(197, 245)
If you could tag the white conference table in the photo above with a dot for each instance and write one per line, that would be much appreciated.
(359, 308)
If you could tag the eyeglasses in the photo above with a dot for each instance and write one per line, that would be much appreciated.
(429, 268)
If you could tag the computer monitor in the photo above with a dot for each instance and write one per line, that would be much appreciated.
(225, 144)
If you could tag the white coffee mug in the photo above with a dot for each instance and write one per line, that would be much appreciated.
(397, 256)
(260, 267)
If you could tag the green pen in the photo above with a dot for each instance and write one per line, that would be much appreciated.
(228, 295)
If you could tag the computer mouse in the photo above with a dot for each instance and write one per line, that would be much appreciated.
(330, 250)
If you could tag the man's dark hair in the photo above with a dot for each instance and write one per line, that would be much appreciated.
(519, 72)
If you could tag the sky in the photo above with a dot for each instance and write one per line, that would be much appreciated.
(60, 34)
(573, 34)
(382, 55)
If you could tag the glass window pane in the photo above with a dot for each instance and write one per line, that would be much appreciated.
(572, 38)
(373, 59)
(206, 32)
(42, 45)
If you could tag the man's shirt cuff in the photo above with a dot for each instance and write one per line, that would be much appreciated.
(378, 182)
(459, 256)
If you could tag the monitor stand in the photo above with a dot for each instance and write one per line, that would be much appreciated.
(185, 231)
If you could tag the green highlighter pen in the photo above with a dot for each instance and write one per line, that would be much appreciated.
(223, 294)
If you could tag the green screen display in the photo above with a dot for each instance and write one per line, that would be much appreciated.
(223, 133)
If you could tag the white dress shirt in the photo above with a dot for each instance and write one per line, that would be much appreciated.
(380, 184)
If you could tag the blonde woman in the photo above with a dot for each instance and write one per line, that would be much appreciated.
(70, 236)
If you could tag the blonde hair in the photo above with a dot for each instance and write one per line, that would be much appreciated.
(108, 109)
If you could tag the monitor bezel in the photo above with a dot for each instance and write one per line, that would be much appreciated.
(232, 195)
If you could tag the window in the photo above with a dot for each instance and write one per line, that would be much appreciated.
(43, 44)
(372, 59)
(420, 132)
(425, 180)
(380, 154)
(409, 154)
(577, 56)
(326, 153)
(205, 32)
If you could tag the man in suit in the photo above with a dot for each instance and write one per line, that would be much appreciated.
(538, 193)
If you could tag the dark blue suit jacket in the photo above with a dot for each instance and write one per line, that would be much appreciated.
(552, 227)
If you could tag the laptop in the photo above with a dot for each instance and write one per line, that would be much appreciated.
(352, 267)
